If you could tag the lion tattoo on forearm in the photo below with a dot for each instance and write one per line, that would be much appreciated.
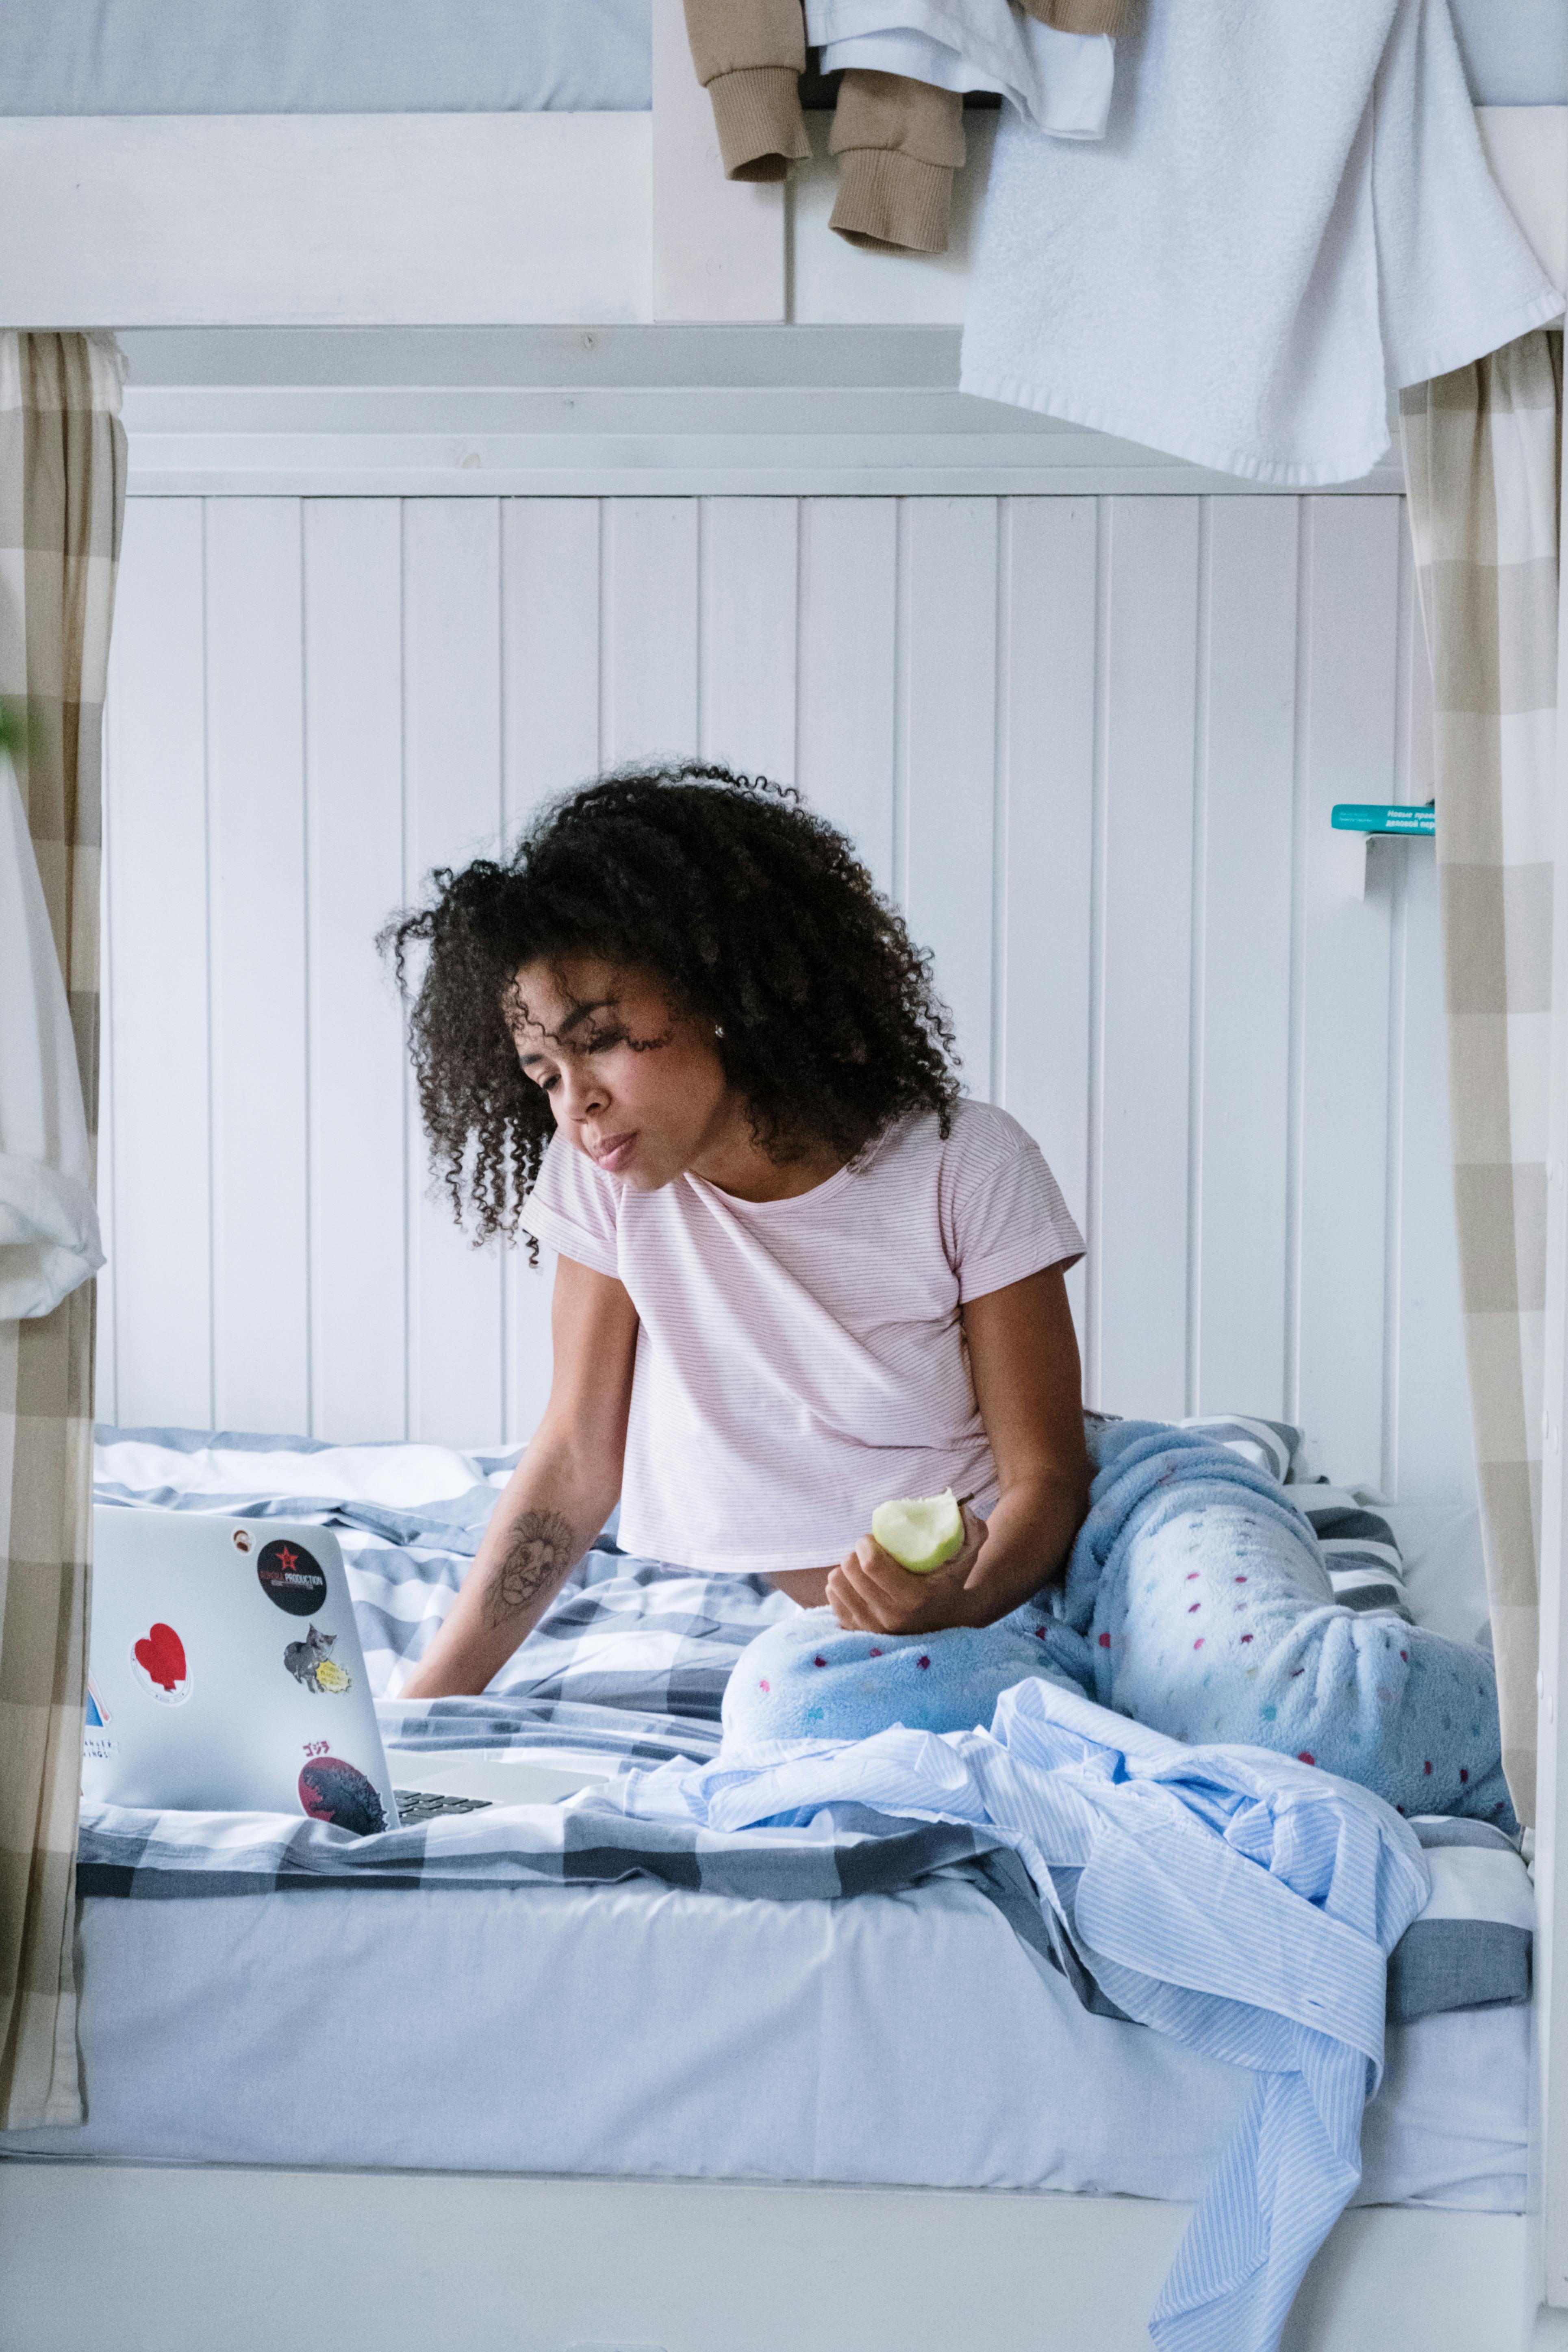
(537, 1553)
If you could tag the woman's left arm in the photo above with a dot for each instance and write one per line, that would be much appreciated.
(1024, 1361)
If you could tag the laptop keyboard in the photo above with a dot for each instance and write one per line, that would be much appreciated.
(424, 1804)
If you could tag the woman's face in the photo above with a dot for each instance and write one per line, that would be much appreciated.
(636, 1086)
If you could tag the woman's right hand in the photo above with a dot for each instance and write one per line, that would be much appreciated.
(871, 1592)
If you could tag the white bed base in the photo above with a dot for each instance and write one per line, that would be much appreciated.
(132, 2258)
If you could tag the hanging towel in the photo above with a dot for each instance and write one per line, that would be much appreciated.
(1059, 83)
(48, 1225)
(1290, 213)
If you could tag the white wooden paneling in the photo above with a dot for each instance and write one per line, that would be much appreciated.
(1091, 742)
(160, 1172)
(647, 670)
(550, 741)
(1242, 956)
(946, 820)
(749, 661)
(1140, 1086)
(1348, 724)
(847, 687)
(452, 768)
(1049, 570)
(550, 631)
(353, 828)
(260, 1132)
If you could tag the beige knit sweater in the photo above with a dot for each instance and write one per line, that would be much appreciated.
(901, 141)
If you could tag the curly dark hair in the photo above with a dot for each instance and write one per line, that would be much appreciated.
(748, 911)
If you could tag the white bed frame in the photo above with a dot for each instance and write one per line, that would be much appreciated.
(575, 222)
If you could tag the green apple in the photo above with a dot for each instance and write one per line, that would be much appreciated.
(921, 1536)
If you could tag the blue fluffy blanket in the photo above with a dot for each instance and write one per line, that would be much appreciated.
(1196, 1602)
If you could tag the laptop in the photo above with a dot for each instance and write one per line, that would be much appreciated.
(225, 1674)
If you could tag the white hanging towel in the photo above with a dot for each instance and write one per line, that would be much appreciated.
(1290, 213)
(48, 1225)
(1059, 83)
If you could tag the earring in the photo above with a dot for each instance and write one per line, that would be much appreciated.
(718, 1031)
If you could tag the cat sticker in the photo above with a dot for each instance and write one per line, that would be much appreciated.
(332, 1790)
(159, 1663)
(313, 1665)
(290, 1577)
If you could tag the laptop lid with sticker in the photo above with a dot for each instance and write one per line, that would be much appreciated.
(226, 1672)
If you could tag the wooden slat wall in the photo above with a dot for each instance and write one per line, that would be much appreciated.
(1090, 743)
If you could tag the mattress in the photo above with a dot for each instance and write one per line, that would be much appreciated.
(908, 2036)
(323, 56)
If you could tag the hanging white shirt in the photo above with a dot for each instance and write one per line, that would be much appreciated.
(1059, 83)
(1289, 215)
(49, 1225)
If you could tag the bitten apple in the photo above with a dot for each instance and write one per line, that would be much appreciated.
(921, 1535)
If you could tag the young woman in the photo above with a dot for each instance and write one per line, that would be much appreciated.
(679, 1036)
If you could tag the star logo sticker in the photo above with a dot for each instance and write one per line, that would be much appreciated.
(287, 1561)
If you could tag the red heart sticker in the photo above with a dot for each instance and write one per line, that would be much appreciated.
(161, 1654)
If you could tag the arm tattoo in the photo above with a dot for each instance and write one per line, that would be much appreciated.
(537, 1553)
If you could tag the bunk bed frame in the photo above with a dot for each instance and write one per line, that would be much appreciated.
(574, 223)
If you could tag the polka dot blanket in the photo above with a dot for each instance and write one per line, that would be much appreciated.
(1197, 1602)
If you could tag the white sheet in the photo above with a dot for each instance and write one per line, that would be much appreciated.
(906, 2038)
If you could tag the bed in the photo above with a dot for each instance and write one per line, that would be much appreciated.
(826, 2059)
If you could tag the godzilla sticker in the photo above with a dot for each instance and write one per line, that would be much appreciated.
(290, 1577)
(332, 1790)
(313, 1665)
(159, 1663)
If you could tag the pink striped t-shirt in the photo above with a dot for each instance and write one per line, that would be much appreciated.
(800, 1361)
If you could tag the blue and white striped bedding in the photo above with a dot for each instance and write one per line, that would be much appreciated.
(1360, 1548)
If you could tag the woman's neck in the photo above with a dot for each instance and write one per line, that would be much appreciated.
(735, 1162)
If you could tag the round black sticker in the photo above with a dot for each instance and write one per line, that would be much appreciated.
(290, 1577)
(332, 1790)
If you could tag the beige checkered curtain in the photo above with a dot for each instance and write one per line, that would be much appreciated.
(1481, 455)
(62, 496)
